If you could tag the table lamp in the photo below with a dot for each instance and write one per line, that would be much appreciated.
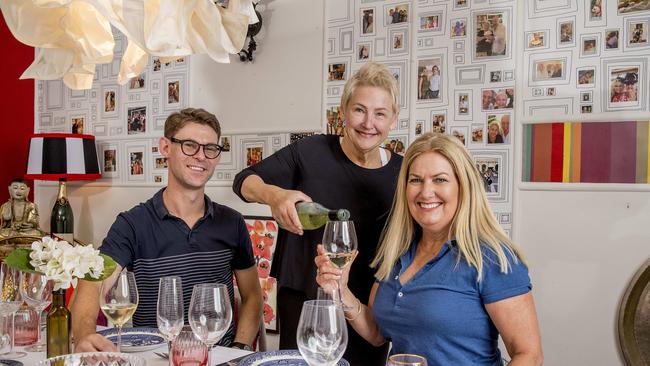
(63, 157)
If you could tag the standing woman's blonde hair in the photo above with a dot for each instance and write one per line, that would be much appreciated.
(372, 74)
(473, 226)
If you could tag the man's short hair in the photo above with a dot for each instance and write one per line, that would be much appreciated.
(178, 120)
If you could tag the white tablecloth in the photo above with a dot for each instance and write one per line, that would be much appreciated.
(219, 355)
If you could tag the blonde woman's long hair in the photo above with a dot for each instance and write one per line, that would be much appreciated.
(473, 226)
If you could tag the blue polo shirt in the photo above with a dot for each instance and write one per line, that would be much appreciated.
(440, 313)
(153, 243)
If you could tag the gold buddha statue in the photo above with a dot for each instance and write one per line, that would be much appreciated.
(18, 218)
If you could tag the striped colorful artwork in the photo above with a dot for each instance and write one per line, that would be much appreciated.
(587, 152)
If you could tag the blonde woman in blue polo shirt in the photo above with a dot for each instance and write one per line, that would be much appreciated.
(449, 281)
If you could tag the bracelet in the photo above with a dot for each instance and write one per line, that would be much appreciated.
(240, 345)
(359, 305)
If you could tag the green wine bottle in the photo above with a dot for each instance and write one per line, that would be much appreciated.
(313, 215)
(62, 220)
(58, 326)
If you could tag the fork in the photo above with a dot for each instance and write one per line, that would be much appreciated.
(164, 355)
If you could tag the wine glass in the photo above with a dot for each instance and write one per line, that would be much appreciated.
(36, 290)
(169, 309)
(118, 300)
(322, 332)
(339, 243)
(406, 360)
(10, 302)
(210, 313)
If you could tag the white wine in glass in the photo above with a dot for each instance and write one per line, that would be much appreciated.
(210, 313)
(340, 243)
(119, 301)
(322, 334)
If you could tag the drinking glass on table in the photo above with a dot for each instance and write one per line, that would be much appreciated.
(169, 308)
(322, 332)
(36, 290)
(188, 350)
(10, 302)
(340, 243)
(406, 360)
(119, 300)
(210, 313)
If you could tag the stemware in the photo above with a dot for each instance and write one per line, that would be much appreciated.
(322, 332)
(119, 300)
(36, 290)
(187, 349)
(10, 302)
(339, 243)
(169, 308)
(210, 313)
(406, 360)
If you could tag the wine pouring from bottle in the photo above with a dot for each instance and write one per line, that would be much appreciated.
(313, 215)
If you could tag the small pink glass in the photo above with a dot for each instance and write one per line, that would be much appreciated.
(187, 350)
(26, 327)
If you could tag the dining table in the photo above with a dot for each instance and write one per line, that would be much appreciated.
(220, 356)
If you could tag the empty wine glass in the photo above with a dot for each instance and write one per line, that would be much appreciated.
(10, 302)
(406, 360)
(210, 313)
(339, 243)
(36, 290)
(118, 300)
(169, 313)
(322, 332)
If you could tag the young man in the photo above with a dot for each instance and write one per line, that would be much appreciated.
(178, 232)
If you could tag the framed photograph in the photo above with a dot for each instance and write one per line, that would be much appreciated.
(461, 133)
(478, 131)
(226, 153)
(495, 76)
(419, 128)
(586, 108)
(438, 121)
(367, 21)
(263, 232)
(175, 87)
(400, 72)
(491, 165)
(590, 45)
(537, 40)
(110, 101)
(252, 151)
(109, 160)
(136, 119)
(508, 75)
(497, 98)
(334, 120)
(636, 33)
(180, 63)
(586, 77)
(460, 4)
(137, 164)
(159, 178)
(431, 22)
(396, 13)
(138, 83)
(459, 59)
(545, 70)
(631, 6)
(337, 71)
(538, 92)
(364, 51)
(596, 13)
(396, 144)
(463, 100)
(612, 39)
(566, 32)
(459, 45)
(155, 64)
(470, 75)
(399, 41)
(586, 96)
(459, 27)
(623, 91)
(498, 128)
(77, 122)
(159, 162)
(491, 30)
(431, 81)
(550, 92)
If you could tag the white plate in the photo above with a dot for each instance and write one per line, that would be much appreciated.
(136, 339)
(282, 357)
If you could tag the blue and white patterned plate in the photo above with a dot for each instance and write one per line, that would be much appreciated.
(276, 358)
(136, 339)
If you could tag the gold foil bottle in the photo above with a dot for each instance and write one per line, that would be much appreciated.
(62, 220)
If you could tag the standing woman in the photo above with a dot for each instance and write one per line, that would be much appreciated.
(449, 280)
(351, 172)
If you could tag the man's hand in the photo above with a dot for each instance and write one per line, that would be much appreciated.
(283, 208)
(93, 343)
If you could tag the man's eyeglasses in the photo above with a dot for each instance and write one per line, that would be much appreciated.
(191, 147)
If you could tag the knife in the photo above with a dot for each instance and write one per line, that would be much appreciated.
(235, 361)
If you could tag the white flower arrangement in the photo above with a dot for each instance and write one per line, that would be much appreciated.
(62, 262)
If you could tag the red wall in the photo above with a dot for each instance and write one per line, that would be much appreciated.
(17, 106)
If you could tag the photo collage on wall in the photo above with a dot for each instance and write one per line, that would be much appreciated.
(462, 82)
